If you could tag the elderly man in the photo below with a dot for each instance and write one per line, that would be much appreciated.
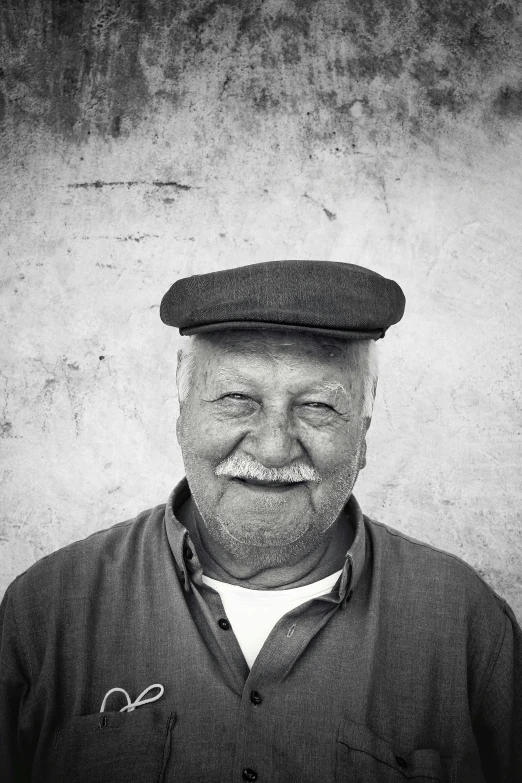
(258, 626)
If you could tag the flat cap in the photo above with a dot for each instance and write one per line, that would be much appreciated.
(333, 298)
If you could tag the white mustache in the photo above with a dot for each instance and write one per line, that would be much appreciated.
(243, 466)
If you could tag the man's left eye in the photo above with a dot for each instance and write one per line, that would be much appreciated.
(318, 406)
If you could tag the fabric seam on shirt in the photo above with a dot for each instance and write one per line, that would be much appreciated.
(122, 525)
(23, 642)
(489, 669)
(148, 512)
(398, 534)
(167, 745)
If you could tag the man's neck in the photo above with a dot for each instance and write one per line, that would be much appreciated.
(218, 564)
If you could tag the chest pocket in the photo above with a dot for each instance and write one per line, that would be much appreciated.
(362, 757)
(113, 746)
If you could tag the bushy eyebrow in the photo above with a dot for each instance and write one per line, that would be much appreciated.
(333, 389)
(229, 376)
(334, 386)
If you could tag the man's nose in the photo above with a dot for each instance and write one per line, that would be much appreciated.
(273, 441)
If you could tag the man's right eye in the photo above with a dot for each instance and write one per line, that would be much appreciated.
(235, 396)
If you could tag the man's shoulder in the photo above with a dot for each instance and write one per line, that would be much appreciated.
(427, 570)
(76, 566)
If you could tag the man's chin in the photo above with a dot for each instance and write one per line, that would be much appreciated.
(265, 517)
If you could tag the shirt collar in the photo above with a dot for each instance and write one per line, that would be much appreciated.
(187, 562)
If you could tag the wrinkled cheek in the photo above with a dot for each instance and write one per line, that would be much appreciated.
(331, 495)
(204, 484)
(203, 438)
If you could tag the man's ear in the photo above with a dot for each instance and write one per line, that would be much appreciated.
(179, 355)
(362, 453)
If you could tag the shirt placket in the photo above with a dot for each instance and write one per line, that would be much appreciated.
(286, 643)
(258, 687)
(208, 614)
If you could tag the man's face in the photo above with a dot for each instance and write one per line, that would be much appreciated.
(276, 400)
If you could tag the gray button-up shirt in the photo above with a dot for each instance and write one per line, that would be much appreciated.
(410, 669)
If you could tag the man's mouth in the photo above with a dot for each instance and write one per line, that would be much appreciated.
(252, 482)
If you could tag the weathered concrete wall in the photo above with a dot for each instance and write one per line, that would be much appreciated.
(147, 139)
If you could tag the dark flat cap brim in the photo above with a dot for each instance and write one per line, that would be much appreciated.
(347, 333)
(327, 297)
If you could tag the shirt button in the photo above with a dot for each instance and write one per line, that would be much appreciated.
(249, 774)
(187, 551)
(401, 762)
(256, 698)
(224, 624)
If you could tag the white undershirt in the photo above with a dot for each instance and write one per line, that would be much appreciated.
(253, 613)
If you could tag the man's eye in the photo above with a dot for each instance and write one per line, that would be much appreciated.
(318, 406)
(235, 397)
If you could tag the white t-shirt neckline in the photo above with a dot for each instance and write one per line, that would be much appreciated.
(254, 613)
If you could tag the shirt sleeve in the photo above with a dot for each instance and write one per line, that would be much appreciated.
(498, 723)
(14, 689)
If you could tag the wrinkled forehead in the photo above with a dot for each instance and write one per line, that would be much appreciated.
(306, 358)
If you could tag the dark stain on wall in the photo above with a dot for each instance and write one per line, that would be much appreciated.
(508, 102)
(83, 67)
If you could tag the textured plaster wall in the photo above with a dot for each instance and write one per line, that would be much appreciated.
(147, 139)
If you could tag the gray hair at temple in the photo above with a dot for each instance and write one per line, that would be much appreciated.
(362, 357)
